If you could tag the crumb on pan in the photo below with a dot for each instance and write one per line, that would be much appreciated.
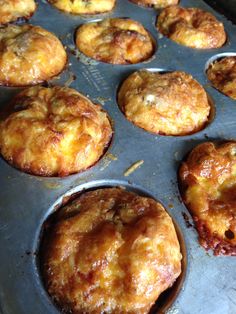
(116, 41)
(191, 27)
(133, 167)
(208, 184)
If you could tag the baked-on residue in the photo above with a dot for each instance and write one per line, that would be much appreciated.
(222, 74)
(208, 186)
(191, 27)
(116, 40)
(29, 55)
(110, 251)
(11, 10)
(164, 103)
(84, 6)
(54, 131)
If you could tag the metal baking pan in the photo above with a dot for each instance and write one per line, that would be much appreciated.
(26, 200)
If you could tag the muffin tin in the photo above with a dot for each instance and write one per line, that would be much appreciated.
(26, 201)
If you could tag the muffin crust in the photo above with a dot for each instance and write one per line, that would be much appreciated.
(11, 10)
(222, 74)
(84, 6)
(110, 251)
(54, 131)
(157, 4)
(164, 103)
(29, 55)
(208, 183)
(191, 27)
(116, 40)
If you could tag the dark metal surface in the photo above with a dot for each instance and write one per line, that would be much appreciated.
(26, 201)
(228, 8)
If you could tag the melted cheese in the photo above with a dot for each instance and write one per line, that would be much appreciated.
(110, 251)
(222, 75)
(171, 103)
(29, 55)
(157, 4)
(54, 131)
(209, 180)
(117, 41)
(191, 27)
(84, 6)
(11, 10)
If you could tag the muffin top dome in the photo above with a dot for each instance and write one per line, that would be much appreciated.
(54, 131)
(208, 184)
(29, 55)
(191, 27)
(83, 6)
(116, 40)
(110, 251)
(222, 74)
(157, 4)
(11, 10)
(164, 103)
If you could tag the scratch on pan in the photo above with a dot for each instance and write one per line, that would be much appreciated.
(133, 167)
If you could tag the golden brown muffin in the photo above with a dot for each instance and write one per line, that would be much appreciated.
(11, 10)
(29, 55)
(191, 27)
(222, 74)
(164, 103)
(157, 4)
(110, 251)
(117, 41)
(84, 6)
(54, 131)
(208, 181)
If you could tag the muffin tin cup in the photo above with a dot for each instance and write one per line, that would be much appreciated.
(168, 297)
(26, 200)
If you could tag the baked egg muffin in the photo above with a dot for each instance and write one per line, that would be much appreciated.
(171, 103)
(222, 74)
(116, 40)
(208, 186)
(11, 10)
(157, 4)
(29, 55)
(109, 251)
(84, 6)
(54, 132)
(191, 27)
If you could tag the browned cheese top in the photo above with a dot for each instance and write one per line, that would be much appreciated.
(84, 6)
(54, 131)
(11, 10)
(110, 251)
(158, 4)
(191, 27)
(208, 178)
(29, 55)
(164, 103)
(222, 74)
(116, 40)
